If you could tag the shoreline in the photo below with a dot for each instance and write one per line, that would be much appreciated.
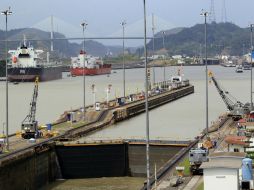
(117, 66)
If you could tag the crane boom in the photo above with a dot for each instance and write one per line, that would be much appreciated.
(31, 115)
(29, 124)
(237, 108)
(229, 103)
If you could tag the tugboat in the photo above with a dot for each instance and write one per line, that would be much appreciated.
(88, 65)
(246, 66)
(26, 65)
(239, 69)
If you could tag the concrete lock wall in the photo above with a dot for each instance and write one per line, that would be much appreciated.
(112, 160)
(37, 169)
(159, 155)
(91, 161)
(29, 173)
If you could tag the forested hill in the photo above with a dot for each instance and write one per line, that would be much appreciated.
(37, 38)
(221, 38)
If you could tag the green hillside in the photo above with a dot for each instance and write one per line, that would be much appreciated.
(40, 40)
(221, 38)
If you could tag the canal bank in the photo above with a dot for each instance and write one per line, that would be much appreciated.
(43, 165)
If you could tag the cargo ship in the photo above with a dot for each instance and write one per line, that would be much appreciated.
(88, 65)
(26, 65)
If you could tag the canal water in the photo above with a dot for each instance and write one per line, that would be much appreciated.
(185, 118)
(179, 120)
(182, 119)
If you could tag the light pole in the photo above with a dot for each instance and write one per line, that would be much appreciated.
(153, 29)
(146, 103)
(201, 55)
(6, 13)
(163, 43)
(251, 49)
(93, 92)
(108, 92)
(123, 25)
(83, 25)
(243, 49)
(205, 14)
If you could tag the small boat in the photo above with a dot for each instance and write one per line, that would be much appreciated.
(228, 63)
(15, 83)
(239, 69)
(246, 66)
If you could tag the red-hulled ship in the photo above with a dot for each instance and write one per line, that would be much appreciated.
(88, 65)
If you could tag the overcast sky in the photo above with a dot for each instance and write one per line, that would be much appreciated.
(104, 16)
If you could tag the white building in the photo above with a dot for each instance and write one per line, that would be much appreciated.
(251, 149)
(222, 171)
(177, 56)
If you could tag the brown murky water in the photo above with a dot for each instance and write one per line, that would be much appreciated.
(59, 95)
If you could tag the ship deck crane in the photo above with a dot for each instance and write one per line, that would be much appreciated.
(237, 109)
(29, 126)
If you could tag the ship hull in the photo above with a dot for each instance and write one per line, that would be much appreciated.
(29, 74)
(106, 69)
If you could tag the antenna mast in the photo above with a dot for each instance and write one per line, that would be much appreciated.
(153, 29)
(212, 17)
(224, 12)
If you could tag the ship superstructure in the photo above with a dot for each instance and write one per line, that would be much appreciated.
(88, 65)
(26, 65)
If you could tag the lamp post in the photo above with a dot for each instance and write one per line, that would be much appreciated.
(251, 49)
(6, 13)
(123, 25)
(205, 14)
(3, 128)
(146, 103)
(83, 25)
(163, 43)
(93, 92)
(243, 49)
(153, 29)
(108, 92)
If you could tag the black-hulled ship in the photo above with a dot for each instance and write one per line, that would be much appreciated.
(26, 65)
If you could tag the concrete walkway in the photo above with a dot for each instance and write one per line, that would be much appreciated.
(218, 135)
(193, 182)
(164, 185)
